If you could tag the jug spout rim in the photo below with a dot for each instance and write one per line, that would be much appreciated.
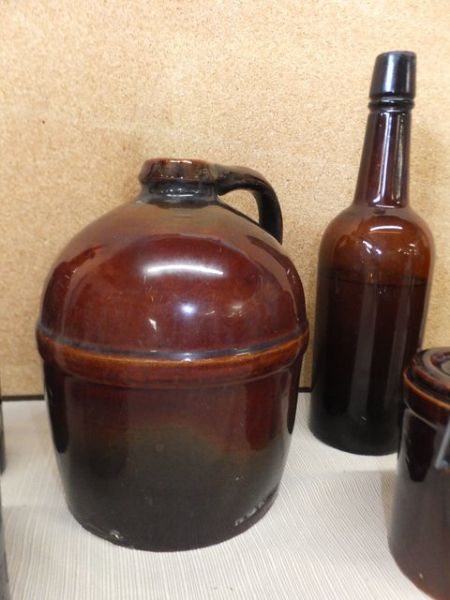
(180, 169)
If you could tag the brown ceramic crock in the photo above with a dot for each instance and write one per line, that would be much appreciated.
(172, 332)
(420, 531)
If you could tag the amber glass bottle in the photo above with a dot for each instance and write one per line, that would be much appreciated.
(373, 282)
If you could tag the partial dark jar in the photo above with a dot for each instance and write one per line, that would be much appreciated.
(4, 581)
(2, 438)
(172, 332)
(420, 531)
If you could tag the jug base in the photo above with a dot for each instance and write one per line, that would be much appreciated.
(187, 540)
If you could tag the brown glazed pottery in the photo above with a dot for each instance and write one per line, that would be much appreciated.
(172, 332)
(420, 532)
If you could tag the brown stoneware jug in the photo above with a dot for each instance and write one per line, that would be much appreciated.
(172, 332)
(420, 532)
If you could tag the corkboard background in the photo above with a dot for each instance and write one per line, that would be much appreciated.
(88, 90)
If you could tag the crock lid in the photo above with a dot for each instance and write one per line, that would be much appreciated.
(431, 369)
(428, 380)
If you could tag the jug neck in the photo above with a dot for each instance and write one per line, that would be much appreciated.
(177, 181)
(383, 178)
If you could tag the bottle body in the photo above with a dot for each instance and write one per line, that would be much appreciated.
(373, 287)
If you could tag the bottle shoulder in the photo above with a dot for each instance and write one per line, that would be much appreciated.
(363, 237)
(386, 225)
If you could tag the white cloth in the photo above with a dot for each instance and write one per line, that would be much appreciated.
(325, 538)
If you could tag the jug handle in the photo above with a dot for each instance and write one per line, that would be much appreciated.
(228, 179)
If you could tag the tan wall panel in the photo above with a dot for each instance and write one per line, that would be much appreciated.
(90, 89)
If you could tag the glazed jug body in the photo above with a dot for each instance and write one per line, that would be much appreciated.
(172, 333)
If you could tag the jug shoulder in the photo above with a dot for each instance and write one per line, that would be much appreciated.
(147, 278)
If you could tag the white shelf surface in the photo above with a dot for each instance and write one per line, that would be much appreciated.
(325, 538)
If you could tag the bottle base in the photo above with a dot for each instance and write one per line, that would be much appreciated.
(353, 439)
(346, 447)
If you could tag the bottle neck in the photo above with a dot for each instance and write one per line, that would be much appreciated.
(383, 178)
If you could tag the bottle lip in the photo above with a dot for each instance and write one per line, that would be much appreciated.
(394, 77)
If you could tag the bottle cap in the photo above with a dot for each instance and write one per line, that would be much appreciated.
(394, 74)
